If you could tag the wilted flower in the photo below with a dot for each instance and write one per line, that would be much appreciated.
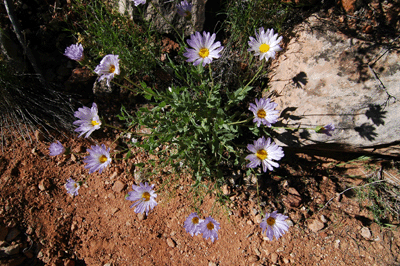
(328, 129)
(209, 228)
(56, 148)
(266, 44)
(109, 66)
(185, 9)
(263, 152)
(98, 158)
(275, 225)
(139, 2)
(144, 196)
(192, 224)
(264, 112)
(88, 121)
(74, 52)
(204, 48)
(72, 187)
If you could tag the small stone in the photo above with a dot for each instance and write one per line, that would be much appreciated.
(249, 222)
(336, 243)
(118, 186)
(12, 234)
(210, 263)
(73, 158)
(114, 175)
(258, 253)
(171, 242)
(274, 258)
(3, 232)
(289, 222)
(366, 233)
(253, 258)
(141, 216)
(293, 199)
(114, 210)
(315, 226)
(323, 219)
(285, 260)
(225, 190)
(257, 219)
(28, 254)
(69, 262)
(11, 250)
(39, 135)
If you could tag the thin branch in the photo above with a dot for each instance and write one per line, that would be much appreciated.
(344, 191)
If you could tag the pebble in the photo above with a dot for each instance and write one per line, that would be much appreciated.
(315, 226)
(253, 258)
(336, 243)
(3, 232)
(274, 258)
(10, 250)
(323, 219)
(225, 190)
(171, 242)
(210, 263)
(118, 186)
(366, 233)
(12, 234)
(141, 216)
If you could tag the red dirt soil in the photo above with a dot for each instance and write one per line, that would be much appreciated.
(46, 226)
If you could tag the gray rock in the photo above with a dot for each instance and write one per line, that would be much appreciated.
(323, 77)
(168, 10)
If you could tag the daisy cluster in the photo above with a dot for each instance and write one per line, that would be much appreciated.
(202, 49)
(208, 227)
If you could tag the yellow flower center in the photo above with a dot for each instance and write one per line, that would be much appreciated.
(264, 48)
(111, 69)
(195, 220)
(204, 52)
(210, 226)
(103, 159)
(261, 113)
(271, 221)
(146, 196)
(261, 154)
(95, 123)
(75, 185)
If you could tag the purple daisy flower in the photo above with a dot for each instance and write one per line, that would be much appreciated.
(185, 9)
(139, 2)
(266, 44)
(192, 224)
(275, 225)
(74, 52)
(204, 48)
(144, 196)
(327, 130)
(88, 121)
(263, 152)
(109, 66)
(72, 187)
(56, 148)
(209, 228)
(264, 112)
(98, 158)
